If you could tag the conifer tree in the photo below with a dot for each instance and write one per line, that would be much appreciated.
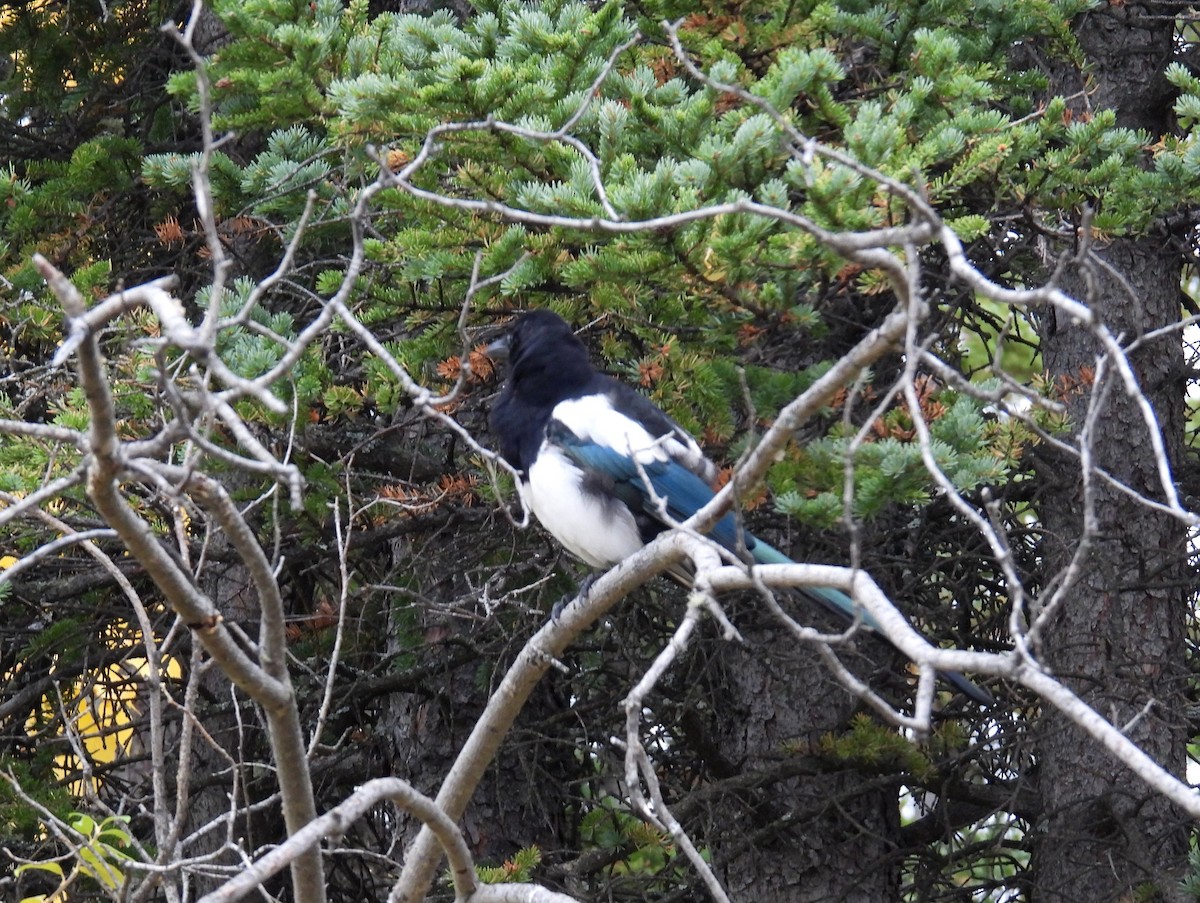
(942, 244)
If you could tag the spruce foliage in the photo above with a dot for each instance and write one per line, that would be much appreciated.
(581, 116)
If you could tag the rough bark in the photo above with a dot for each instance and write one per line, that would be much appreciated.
(524, 799)
(815, 837)
(231, 740)
(1118, 639)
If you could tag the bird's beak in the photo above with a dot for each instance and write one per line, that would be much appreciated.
(498, 350)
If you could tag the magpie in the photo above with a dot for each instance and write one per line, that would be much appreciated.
(599, 462)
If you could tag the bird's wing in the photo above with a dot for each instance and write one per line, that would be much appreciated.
(654, 475)
(674, 441)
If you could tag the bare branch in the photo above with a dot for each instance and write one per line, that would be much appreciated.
(535, 658)
(337, 821)
(266, 681)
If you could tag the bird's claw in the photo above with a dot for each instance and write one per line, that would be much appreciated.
(566, 600)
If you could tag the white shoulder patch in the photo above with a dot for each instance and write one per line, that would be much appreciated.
(593, 419)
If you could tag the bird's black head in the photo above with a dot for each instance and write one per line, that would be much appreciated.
(544, 356)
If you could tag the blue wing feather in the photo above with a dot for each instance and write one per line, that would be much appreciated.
(682, 492)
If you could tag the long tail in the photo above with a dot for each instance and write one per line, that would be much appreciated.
(842, 606)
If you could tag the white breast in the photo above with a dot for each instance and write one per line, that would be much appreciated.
(598, 531)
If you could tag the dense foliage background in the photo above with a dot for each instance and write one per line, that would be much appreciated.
(354, 199)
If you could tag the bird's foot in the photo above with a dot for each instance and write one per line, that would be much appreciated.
(566, 600)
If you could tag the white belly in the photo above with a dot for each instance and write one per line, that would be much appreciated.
(598, 531)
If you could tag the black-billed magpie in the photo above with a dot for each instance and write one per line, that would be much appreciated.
(585, 444)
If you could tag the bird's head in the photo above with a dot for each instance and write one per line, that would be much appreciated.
(541, 346)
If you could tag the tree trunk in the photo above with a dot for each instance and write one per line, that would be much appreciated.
(827, 834)
(1118, 638)
(230, 741)
(524, 797)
